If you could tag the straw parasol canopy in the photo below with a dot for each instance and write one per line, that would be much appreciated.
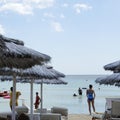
(113, 79)
(54, 77)
(36, 74)
(52, 81)
(115, 66)
(57, 73)
(13, 53)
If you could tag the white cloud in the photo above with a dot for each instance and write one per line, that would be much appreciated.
(57, 26)
(25, 6)
(17, 7)
(65, 5)
(42, 4)
(80, 7)
(45, 3)
(2, 31)
(50, 15)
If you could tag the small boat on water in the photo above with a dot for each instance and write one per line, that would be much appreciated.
(4, 93)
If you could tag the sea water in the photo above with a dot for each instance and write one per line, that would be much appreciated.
(62, 95)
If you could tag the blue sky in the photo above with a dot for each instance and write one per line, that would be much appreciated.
(81, 36)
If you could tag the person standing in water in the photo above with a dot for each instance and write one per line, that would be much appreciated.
(80, 91)
(90, 93)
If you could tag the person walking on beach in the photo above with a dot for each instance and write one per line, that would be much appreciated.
(37, 101)
(17, 96)
(90, 93)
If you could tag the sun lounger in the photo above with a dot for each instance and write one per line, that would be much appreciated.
(45, 115)
(39, 110)
(21, 109)
(60, 110)
(7, 115)
(108, 105)
(115, 111)
(36, 116)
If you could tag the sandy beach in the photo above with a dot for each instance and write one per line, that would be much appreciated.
(79, 117)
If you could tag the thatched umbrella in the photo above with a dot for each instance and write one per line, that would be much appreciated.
(42, 74)
(115, 66)
(47, 75)
(113, 79)
(13, 54)
(57, 73)
(56, 81)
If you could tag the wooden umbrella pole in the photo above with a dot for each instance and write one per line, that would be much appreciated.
(42, 94)
(31, 100)
(13, 96)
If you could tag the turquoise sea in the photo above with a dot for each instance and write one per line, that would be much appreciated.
(62, 95)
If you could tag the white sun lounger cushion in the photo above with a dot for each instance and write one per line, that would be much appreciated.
(60, 110)
(5, 114)
(43, 110)
(21, 109)
(36, 116)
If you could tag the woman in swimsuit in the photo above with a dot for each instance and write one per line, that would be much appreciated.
(90, 93)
